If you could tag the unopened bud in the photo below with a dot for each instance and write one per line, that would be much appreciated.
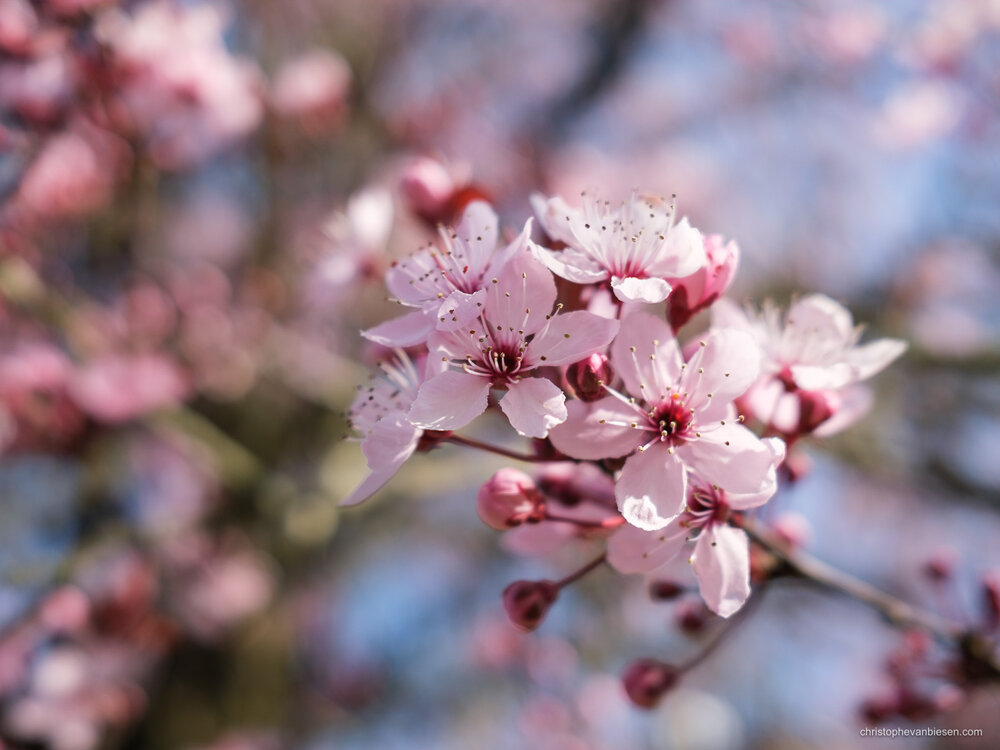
(664, 591)
(427, 187)
(940, 565)
(648, 680)
(815, 407)
(587, 377)
(527, 602)
(508, 499)
(691, 617)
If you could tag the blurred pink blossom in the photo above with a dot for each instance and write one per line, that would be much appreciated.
(119, 388)
(312, 90)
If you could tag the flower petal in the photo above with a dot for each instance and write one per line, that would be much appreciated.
(407, 330)
(652, 488)
(534, 406)
(632, 550)
(449, 401)
(724, 367)
(655, 363)
(521, 244)
(479, 229)
(722, 566)
(729, 456)
(683, 252)
(873, 357)
(631, 289)
(391, 441)
(459, 309)
(570, 264)
(521, 298)
(571, 337)
(588, 431)
(749, 500)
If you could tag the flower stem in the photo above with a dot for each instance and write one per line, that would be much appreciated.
(470, 443)
(608, 523)
(894, 610)
(573, 577)
(730, 626)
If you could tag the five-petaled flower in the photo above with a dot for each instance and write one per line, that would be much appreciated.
(635, 245)
(378, 415)
(437, 279)
(517, 329)
(812, 364)
(721, 556)
(677, 419)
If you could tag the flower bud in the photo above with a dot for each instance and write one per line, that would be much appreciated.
(427, 187)
(696, 292)
(508, 499)
(940, 565)
(587, 377)
(664, 591)
(527, 602)
(648, 680)
(815, 407)
(691, 617)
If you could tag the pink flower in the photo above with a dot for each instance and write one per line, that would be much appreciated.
(635, 244)
(721, 552)
(435, 280)
(378, 414)
(513, 333)
(118, 388)
(357, 237)
(678, 420)
(70, 178)
(186, 94)
(312, 89)
(696, 292)
(812, 364)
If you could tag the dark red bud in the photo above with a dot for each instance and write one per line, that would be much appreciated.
(527, 602)
(587, 377)
(664, 591)
(648, 680)
(691, 617)
(815, 407)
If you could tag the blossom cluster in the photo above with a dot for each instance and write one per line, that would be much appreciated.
(578, 334)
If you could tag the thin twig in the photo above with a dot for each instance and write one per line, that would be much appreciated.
(470, 443)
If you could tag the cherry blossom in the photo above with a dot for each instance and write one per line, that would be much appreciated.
(812, 364)
(515, 332)
(677, 419)
(635, 245)
(435, 279)
(721, 556)
(378, 414)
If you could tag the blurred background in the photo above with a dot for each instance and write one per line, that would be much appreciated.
(197, 203)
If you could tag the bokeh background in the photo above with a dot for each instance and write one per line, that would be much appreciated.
(198, 202)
